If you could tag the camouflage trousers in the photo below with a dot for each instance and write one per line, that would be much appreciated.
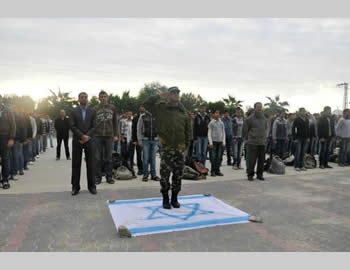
(172, 161)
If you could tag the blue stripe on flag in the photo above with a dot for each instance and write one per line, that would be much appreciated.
(156, 199)
(189, 225)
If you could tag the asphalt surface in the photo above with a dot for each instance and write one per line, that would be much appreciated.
(302, 211)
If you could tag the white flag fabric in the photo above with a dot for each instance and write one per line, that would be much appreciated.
(147, 216)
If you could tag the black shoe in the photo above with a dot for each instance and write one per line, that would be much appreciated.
(93, 191)
(219, 174)
(68, 158)
(174, 201)
(21, 173)
(261, 178)
(166, 204)
(229, 163)
(98, 180)
(212, 174)
(139, 173)
(328, 167)
(321, 167)
(250, 178)
(110, 180)
(75, 191)
(5, 185)
(57, 158)
(155, 178)
(145, 178)
(26, 169)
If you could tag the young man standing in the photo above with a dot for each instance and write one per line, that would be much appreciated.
(217, 140)
(280, 134)
(135, 145)
(227, 121)
(301, 135)
(326, 133)
(106, 133)
(254, 134)
(237, 133)
(126, 142)
(83, 124)
(342, 130)
(200, 134)
(62, 134)
(174, 136)
(7, 136)
(147, 135)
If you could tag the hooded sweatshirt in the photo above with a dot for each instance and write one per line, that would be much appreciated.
(255, 129)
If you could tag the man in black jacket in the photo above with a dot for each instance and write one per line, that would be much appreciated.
(83, 124)
(326, 133)
(200, 133)
(62, 133)
(7, 135)
(135, 144)
(301, 137)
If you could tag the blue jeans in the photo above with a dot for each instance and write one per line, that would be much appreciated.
(280, 148)
(20, 158)
(27, 155)
(202, 145)
(216, 156)
(103, 155)
(344, 150)
(301, 147)
(324, 151)
(229, 149)
(13, 159)
(150, 148)
(237, 151)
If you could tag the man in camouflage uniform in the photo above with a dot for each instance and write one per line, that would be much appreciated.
(174, 137)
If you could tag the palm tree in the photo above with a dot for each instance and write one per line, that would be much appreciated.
(275, 105)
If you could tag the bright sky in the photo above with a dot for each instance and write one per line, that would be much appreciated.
(300, 59)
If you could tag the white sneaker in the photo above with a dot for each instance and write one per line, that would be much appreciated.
(303, 169)
(297, 169)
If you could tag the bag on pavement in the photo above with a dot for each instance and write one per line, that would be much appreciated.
(309, 161)
(190, 174)
(277, 166)
(122, 173)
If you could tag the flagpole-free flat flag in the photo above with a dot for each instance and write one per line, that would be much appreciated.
(147, 216)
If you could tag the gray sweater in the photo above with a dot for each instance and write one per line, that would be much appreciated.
(216, 132)
(255, 129)
(342, 128)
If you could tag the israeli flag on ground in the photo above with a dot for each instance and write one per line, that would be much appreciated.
(147, 216)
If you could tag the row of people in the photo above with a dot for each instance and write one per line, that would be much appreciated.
(23, 136)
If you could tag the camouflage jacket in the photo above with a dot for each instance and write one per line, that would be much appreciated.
(107, 120)
(174, 123)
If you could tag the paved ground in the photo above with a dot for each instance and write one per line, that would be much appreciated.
(307, 211)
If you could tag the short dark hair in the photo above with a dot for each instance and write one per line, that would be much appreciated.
(326, 108)
(302, 108)
(82, 93)
(102, 92)
(226, 111)
(256, 104)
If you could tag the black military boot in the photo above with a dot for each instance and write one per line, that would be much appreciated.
(174, 201)
(166, 204)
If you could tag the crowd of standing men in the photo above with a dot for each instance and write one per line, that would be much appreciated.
(23, 137)
(163, 125)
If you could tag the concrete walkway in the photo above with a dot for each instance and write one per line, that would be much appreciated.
(302, 211)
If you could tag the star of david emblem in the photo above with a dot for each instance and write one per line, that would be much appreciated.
(158, 212)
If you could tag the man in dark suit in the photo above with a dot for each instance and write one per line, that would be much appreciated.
(83, 124)
(62, 132)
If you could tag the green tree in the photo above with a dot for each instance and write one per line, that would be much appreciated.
(151, 89)
(231, 104)
(191, 102)
(275, 105)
